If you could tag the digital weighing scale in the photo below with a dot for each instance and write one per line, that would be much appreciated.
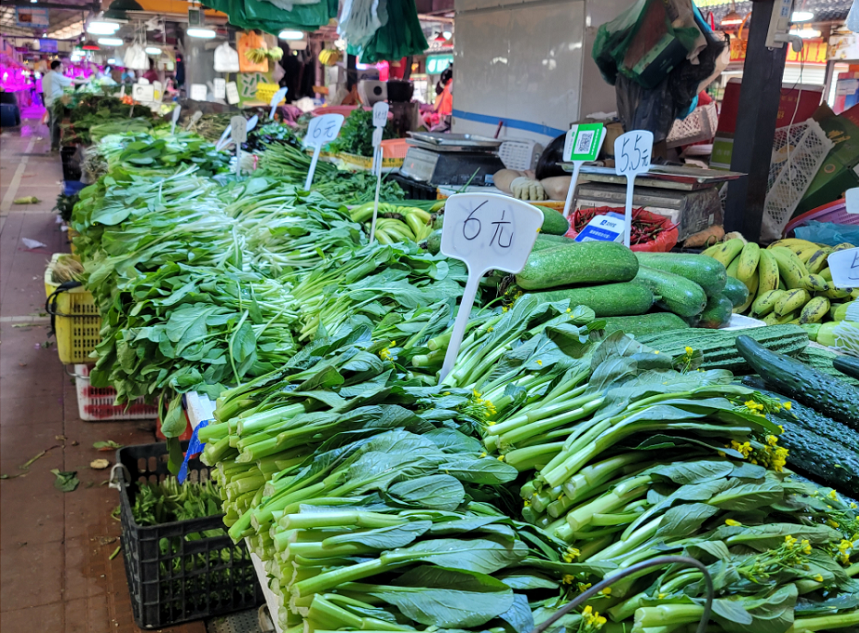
(451, 159)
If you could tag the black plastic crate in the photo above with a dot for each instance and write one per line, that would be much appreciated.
(172, 579)
(413, 189)
(71, 165)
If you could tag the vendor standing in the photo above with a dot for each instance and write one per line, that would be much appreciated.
(52, 85)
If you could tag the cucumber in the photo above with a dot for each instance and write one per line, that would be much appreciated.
(677, 294)
(830, 462)
(645, 324)
(578, 263)
(553, 239)
(847, 365)
(718, 348)
(717, 313)
(704, 271)
(821, 359)
(736, 291)
(607, 300)
(828, 395)
(554, 222)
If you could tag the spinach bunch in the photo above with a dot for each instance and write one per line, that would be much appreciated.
(356, 135)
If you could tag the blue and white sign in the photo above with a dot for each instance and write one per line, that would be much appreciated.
(603, 228)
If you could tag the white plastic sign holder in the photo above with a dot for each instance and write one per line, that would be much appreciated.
(275, 100)
(582, 145)
(223, 140)
(632, 153)
(321, 131)
(176, 112)
(194, 118)
(380, 119)
(844, 266)
(239, 135)
(487, 231)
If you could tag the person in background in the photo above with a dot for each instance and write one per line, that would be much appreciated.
(444, 92)
(127, 78)
(151, 75)
(52, 86)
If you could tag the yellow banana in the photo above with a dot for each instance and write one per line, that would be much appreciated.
(748, 262)
(733, 267)
(726, 251)
(767, 272)
(855, 294)
(805, 253)
(765, 303)
(817, 261)
(814, 310)
(815, 283)
(836, 293)
(752, 285)
(790, 269)
(414, 223)
(790, 242)
(842, 247)
(422, 215)
(826, 274)
(773, 319)
(792, 301)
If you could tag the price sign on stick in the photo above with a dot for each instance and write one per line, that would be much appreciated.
(487, 231)
(223, 140)
(176, 112)
(194, 118)
(582, 145)
(632, 157)
(252, 122)
(844, 266)
(275, 100)
(380, 119)
(321, 131)
(239, 135)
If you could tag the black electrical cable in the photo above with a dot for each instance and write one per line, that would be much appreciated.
(660, 561)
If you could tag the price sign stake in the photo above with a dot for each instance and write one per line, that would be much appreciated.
(239, 135)
(194, 118)
(176, 111)
(581, 146)
(321, 131)
(275, 100)
(632, 157)
(486, 231)
(380, 119)
(844, 266)
(223, 140)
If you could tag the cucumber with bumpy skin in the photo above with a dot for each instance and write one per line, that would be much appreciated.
(645, 324)
(578, 263)
(606, 300)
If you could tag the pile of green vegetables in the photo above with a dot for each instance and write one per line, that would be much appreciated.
(356, 135)
(93, 116)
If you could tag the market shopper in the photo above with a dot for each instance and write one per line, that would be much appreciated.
(52, 86)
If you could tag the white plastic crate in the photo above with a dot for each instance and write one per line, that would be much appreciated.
(699, 126)
(798, 152)
(95, 404)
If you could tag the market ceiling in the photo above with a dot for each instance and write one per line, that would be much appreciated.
(823, 10)
(66, 18)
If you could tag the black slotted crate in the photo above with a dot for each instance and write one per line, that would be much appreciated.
(71, 166)
(173, 579)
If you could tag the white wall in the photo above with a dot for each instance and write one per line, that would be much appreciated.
(528, 62)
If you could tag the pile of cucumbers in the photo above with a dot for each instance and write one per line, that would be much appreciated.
(788, 282)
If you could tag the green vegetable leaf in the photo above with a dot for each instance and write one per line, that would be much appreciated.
(685, 519)
(478, 555)
(439, 492)
(486, 470)
(66, 481)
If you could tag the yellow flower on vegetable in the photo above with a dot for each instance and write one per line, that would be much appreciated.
(571, 554)
(787, 405)
(733, 523)
(501, 458)
(606, 591)
(818, 578)
(689, 351)
(569, 579)
(833, 495)
(831, 523)
(806, 547)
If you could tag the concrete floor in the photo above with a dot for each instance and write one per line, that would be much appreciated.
(55, 572)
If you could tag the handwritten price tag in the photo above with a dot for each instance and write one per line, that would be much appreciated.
(582, 145)
(275, 101)
(632, 153)
(844, 266)
(380, 113)
(321, 131)
(176, 112)
(486, 231)
(232, 93)
(239, 135)
(380, 119)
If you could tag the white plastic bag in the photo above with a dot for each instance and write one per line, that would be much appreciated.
(136, 58)
(226, 59)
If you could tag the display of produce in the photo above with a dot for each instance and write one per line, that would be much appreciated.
(356, 135)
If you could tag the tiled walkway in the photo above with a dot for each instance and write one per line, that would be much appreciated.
(55, 572)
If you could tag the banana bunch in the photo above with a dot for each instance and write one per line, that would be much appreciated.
(256, 55)
(788, 282)
(329, 56)
(394, 223)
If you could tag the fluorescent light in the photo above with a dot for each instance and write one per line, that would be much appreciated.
(806, 34)
(111, 62)
(801, 16)
(153, 50)
(447, 35)
(98, 27)
(110, 41)
(290, 35)
(732, 19)
(200, 32)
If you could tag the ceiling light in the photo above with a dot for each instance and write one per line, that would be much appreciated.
(801, 16)
(110, 41)
(806, 33)
(732, 19)
(153, 50)
(89, 45)
(111, 62)
(447, 35)
(290, 35)
(200, 32)
(99, 27)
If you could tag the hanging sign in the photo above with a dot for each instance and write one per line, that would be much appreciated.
(275, 101)
(232, 93)
(176, 112)
(582, 145)
(143, 92)
(844, 266)
(380, 119)
(321, 131)
(238, 134)
(632, 152)
(486, 231)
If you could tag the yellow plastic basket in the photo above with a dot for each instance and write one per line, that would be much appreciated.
(266, 91)
(72, 235)
(76, 320)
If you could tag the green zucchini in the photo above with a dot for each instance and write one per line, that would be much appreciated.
(717, 346)
(828, 395)
(821, 360)
(704, 271)
(847, 365)
(554, 239)
(578, 263)
(832, 463)
(716, 314)
(645, 324)
(606, 300)
(554, 222)
(736, 291)
(677, 294)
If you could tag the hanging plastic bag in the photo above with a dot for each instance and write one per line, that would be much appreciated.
(226, 59)
(247, 42)
(136, 58)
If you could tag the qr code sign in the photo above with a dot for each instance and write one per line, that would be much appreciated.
(584, 142)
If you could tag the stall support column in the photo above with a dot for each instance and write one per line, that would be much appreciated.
(753, 139)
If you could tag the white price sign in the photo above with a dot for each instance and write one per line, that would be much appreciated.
(380, 113)
(275, 101)
(851, 201)
(219, 88)
(194, 118)
(198, 92)
(380, 119)
(487, 231)
(844, 266)
(143, 92)
(321, 131)
(232, 93)
(581, 145)
(222, 142)
(238, 134)
(632, 152)
(176, 112)
(377, 136)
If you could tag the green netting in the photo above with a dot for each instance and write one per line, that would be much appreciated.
(400, 37)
